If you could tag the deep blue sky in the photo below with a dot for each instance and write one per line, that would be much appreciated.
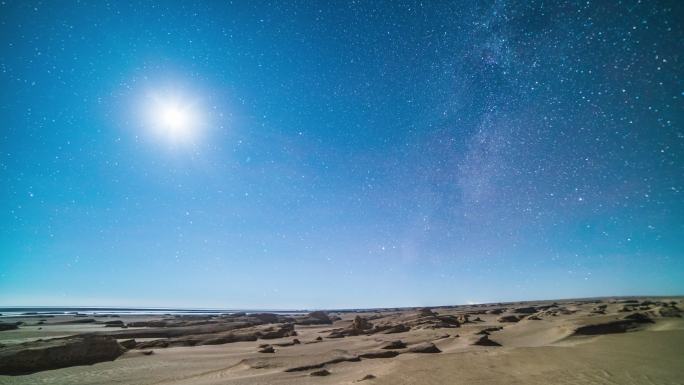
(355, 154)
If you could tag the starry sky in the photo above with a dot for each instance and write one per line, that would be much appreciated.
(350, 153)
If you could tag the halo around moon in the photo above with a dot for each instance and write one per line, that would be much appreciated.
(174, 117)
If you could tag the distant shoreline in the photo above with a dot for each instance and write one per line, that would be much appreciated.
(14, 311)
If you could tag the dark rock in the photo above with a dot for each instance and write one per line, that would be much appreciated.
(315, 318)
(600, 309)
(291, 343)
(35, 356)
(284, 330)
(148, 352)
(367, 377)
(203, 334)
(267, 349)
(360, 324)
(379, 354)
(265, 317)
(214, 335)
(220, 340)
(672, 311)
(319, 338)
(425, 347)
(525, 310)
(399, 328)
(509, 318)
(322, 364)
(76, 321)
(153, 344)
(8, 326)
(128, 344)
(434, 321)
(639, 317)
(489, 330)
(148, 324)
(320, 373)
(426, 312)
(619, 326)
(397, 344)
(117, 323)
(485, 341)
(339, 334)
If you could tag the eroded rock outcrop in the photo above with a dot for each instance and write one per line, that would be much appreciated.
(35, 356)
(359, 326)
(315, 318)
(425, 347)
(219, 338)
(396, 344)
(485, 341)
(8, 326)
(510, 318)
(632, 321)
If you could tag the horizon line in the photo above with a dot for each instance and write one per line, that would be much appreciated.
(217, 309)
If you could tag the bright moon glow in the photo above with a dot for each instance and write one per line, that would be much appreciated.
(174, 117)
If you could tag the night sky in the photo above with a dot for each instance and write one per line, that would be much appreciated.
(294, 154)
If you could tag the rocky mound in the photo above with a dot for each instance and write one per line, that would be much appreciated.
(630, 322)
(380, 354)
(487, 331)
(167, 329)
(397, 344)
(57, 353)
(320, 373)
(359, 326)
(8, 326)
(76, 321)
(425, 347)
(426, 312)
(315, 318)
(239, 335)
(485, 341)
(427, 319)
(670, 310)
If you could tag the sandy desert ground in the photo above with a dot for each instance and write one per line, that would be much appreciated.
(595, 341)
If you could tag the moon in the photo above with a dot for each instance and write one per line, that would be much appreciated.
(174, 117)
